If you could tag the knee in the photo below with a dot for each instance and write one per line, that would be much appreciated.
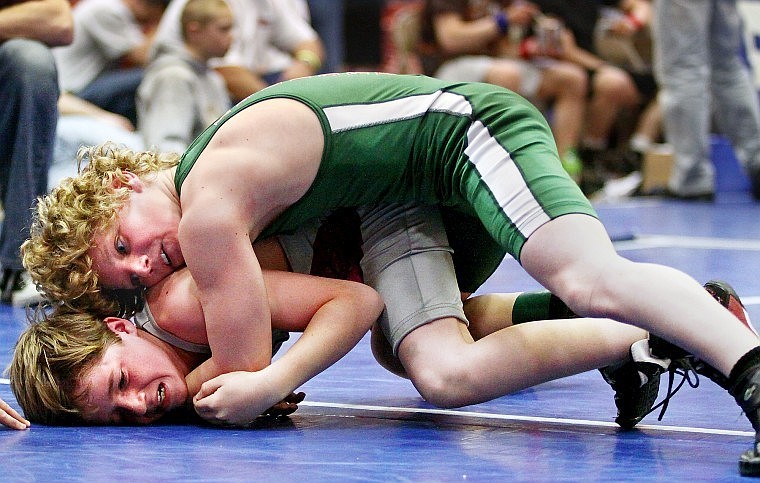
(570, 79)
(505, 74)
(615, 86)
(594, 293)
(33, 62)
(443, 384)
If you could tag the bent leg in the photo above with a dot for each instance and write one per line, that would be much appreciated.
(427, 328)
(594, 281)
(450, 370)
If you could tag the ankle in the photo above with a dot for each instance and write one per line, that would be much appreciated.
(746, 363)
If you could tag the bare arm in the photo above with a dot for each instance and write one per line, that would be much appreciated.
(572, 53)
(456, 35)
(333, 314)
(308, 56)
(69, 104)
(48, 21)
(250, 171)
(342, 313)
(250, 348)
(240, 81)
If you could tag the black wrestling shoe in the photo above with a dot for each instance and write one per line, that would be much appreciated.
(743, 383)
(746, 391)
(18, 290)
(636, 383)
(685, 363)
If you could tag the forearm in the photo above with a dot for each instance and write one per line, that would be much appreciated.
(307, 60)
(48, 21)
(455, 36)
(334, 330)
(204, 372)
(231, 287)
(240, 81)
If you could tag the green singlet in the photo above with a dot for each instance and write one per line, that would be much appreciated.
(476, 149)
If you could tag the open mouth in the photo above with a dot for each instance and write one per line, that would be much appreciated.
(161, 395)
(165, 258)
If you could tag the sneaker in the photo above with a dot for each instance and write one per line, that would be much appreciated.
(572, 164)
(18, 289)
(685, 363)
(746, 390)
(727, 297)
(681, 363)
(636, 383)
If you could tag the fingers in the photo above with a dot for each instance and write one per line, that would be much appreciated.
(10, 418)
(295, 398)
(287, 406)
(207, 389)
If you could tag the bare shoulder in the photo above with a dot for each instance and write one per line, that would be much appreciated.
(263, 159)
(176, 307)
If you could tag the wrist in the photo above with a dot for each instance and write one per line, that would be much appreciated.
(502, 22)
(310, 58)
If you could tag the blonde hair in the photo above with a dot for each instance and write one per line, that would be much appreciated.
(65, 221)
(50, 357)
(203, 12)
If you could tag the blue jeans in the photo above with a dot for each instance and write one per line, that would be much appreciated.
(28, 96)
(327, 17)
(701, 75)
(115, 91)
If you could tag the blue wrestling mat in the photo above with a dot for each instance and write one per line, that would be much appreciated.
(360, 423)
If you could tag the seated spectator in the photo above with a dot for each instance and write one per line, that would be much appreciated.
(180, 94)
(465, 41)
(613, 90)
(82, 123)
(29, 91)
(104, 64)
(271, 42)
(623, 37)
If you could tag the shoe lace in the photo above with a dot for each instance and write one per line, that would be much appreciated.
(679, 367)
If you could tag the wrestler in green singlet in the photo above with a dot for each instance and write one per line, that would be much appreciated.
(476, 148)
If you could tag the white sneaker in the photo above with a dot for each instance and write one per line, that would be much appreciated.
(25, 292)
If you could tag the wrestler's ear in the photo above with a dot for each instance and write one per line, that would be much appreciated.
(131, 181)
(120, 326)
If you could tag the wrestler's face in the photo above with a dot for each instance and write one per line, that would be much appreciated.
(136, 382)
(141, 247)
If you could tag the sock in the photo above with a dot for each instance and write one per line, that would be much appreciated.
(540, 305)
(640, 143)
(594, 144)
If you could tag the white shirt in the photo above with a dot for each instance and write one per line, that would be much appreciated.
(104, 31)
(266, 33)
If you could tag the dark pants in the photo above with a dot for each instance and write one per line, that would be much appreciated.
(115, 91)
(28, 116)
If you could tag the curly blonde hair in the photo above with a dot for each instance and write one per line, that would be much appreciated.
(62, 230)
(50, 356)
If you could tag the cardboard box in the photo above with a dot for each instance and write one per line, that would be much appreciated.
(656, 169)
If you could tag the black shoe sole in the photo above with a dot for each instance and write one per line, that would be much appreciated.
(749, 464)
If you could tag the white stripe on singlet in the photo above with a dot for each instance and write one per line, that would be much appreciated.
(500, 173)
(354, 116)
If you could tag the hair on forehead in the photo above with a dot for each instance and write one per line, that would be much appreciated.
(52, 354)
(65, 221)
